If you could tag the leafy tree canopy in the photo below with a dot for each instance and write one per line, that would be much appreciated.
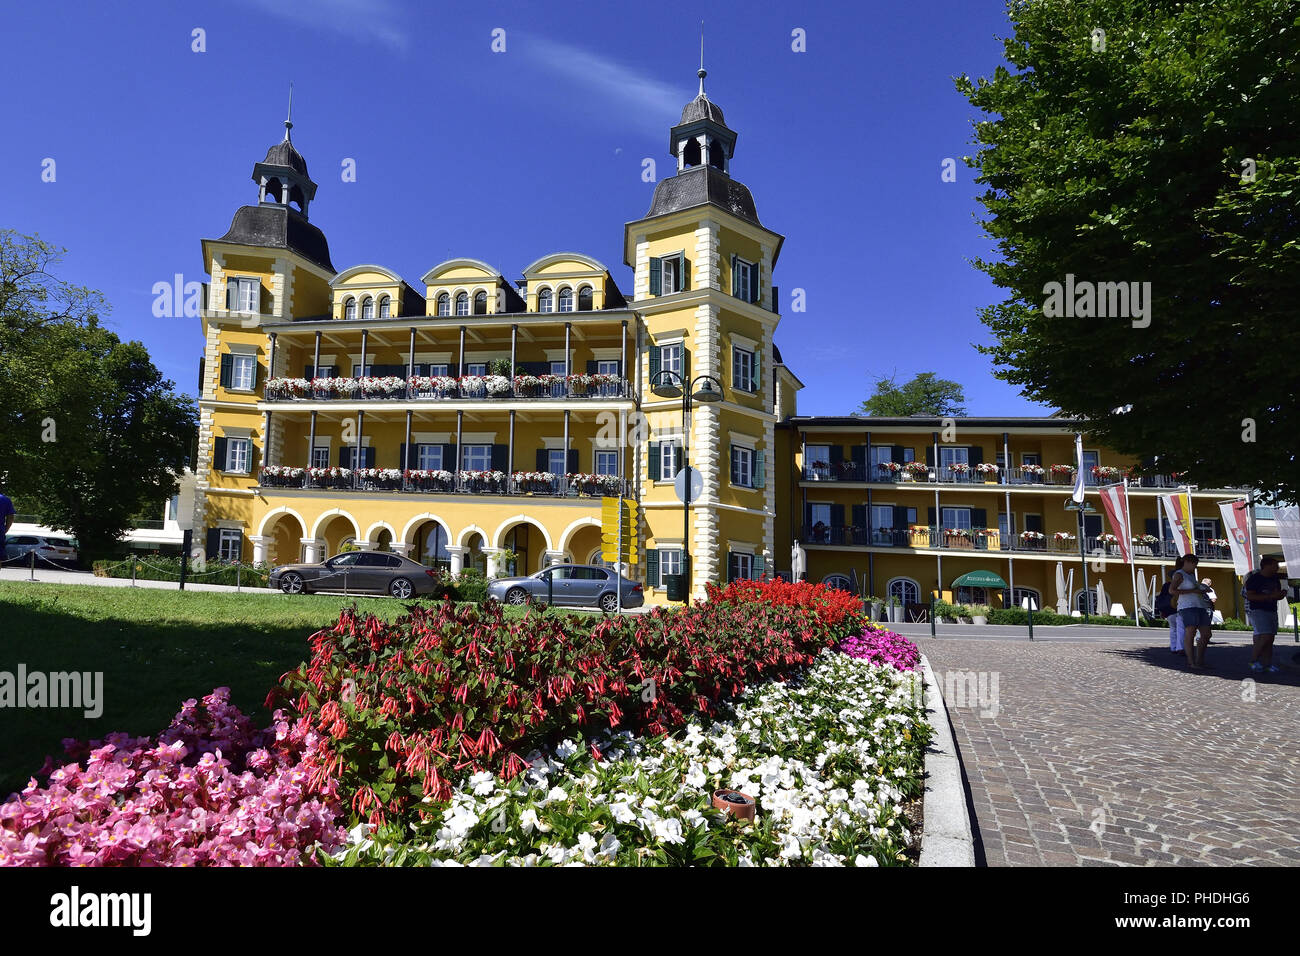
(1164, 149)
(93, 434)
(925, 394)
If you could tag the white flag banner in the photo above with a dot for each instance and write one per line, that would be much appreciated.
(1078, 469)
(1288, 529)
(1236, 525)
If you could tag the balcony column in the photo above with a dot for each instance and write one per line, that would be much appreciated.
(552, 557)
(1006, 464)
(266, 440)
(410, 360)
(460, 422)
(866, 467)
(365, 339)
(357, 460)
(460, 358)
(1006, 480)
(406, 463)
(270, 358)
(514, 342)
(938, 475)
(803, 492)
(937, 538)
(568, 370)
(311, 443)
(510, 451)
(622, 373)
(315, 361)
(622, 432)
(456, 554)
(566, 443)
(493, 561)
(260, 543)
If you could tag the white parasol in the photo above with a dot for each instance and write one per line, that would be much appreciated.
(1103, 604)
(1062, 593)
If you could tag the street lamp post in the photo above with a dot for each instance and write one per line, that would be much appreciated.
(702, 388)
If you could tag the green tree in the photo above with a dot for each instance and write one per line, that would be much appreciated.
(93, 433)
(925, 394)
(1163, 150)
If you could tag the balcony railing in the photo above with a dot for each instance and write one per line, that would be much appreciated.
(915, 472)
(447, 388)
(991, 540)
(539, 484)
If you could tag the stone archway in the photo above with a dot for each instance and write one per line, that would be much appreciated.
(284, 533)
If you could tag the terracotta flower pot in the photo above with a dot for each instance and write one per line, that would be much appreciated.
(739, 805)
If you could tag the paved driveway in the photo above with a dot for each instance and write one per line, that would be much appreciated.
(1111, 752)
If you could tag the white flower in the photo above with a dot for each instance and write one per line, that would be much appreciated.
(695, 776)
(482, 783)
(566, 749)
(668, 830)
(861, 860)
(622, 812)
(609, 846)
(587, 845)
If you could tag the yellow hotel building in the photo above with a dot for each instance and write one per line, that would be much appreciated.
(471, 417)
(472, 421)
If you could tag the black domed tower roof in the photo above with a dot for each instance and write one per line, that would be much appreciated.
(285, 154)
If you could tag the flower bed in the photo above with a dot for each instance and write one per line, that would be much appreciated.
(448, 691)
(208, 790)
(830, 758)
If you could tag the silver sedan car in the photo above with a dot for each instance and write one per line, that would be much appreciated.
(572, 585)
(375, 572)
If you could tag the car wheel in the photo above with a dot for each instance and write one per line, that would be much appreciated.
(401, 588)
(516, 596)
(609, 602)
(291, 583)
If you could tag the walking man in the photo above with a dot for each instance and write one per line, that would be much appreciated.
(1263, 590)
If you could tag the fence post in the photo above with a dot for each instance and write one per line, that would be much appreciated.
(238, 571)
(133, 584)
(31, 563)
(932, 630)
(1031, 618)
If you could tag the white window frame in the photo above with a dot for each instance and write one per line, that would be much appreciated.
(668, 458)
(816, 513)
(551, 454)
(248, 363)
(745, 565)
(473, 451)
(368, 307)
(545, 300)
(953, 455)
(230, 540)
(428, 456)
(669, 280)
(742, 369)
(743, 274)
(1019, 594)
(670, 562)
(565, 293)
(607, 367)
(386, 307)
(443, 304)
(670, 357)
(248, 293)
(900, 587)
(959, 515)
(744, 457)
(462, 298)
(349, 308)
(606, 462)
(320, 456)
(238, 451)
(470, 368)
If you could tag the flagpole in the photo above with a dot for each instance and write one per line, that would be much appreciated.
(1191, 523)
(1132, 564)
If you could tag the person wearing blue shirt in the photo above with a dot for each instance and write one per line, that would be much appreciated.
(6, 511)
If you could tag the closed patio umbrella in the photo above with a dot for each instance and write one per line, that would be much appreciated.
(1062, 590)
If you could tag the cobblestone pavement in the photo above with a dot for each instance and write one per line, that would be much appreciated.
(1095, 753)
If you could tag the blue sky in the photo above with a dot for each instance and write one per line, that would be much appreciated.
(508, 156)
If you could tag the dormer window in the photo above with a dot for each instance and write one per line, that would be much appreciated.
(444, 304)
(584, 299)
(350, 309)
(566, 300)
(462, 303)
(368, 308)
(480, 303)
(385, 307)
(544, 301)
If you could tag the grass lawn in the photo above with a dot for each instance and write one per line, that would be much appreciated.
(156, 648)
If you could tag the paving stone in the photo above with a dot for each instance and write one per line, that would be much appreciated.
(1176, 766)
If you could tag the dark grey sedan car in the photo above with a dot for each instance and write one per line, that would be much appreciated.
(572, 585)
(377, 572)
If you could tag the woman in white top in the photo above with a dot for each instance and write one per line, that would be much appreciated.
(1194, 608)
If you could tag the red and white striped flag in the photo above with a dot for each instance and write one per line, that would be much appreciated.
(1114, 501)
(1236, 525)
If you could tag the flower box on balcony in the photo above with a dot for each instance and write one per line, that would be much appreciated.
(436, 480)
(482, 482)
(533, 483)
(329, 477)
(594, 485)
(379, 479)
(915, 471)
(432, 386)
(281, 476)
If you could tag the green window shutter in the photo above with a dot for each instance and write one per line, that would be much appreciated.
(757, 566)
(735, 278)
(683, 271)
(686, 364)
(760, 469)
(656, 277)
(652, 568)
(369, 456)
(979, 518)
(930, 517)
(655, 363)
(731, 457)
(859, 516)
(975, 455)
(758, 371)
(213, 543)
(218, 454)
(227, 370)
(654, 461)
(403, 459)
(753, 283)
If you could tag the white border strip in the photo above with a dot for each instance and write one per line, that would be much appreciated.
(946, 838)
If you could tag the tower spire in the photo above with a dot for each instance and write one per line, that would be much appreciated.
(288, 120)
(702, 72)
